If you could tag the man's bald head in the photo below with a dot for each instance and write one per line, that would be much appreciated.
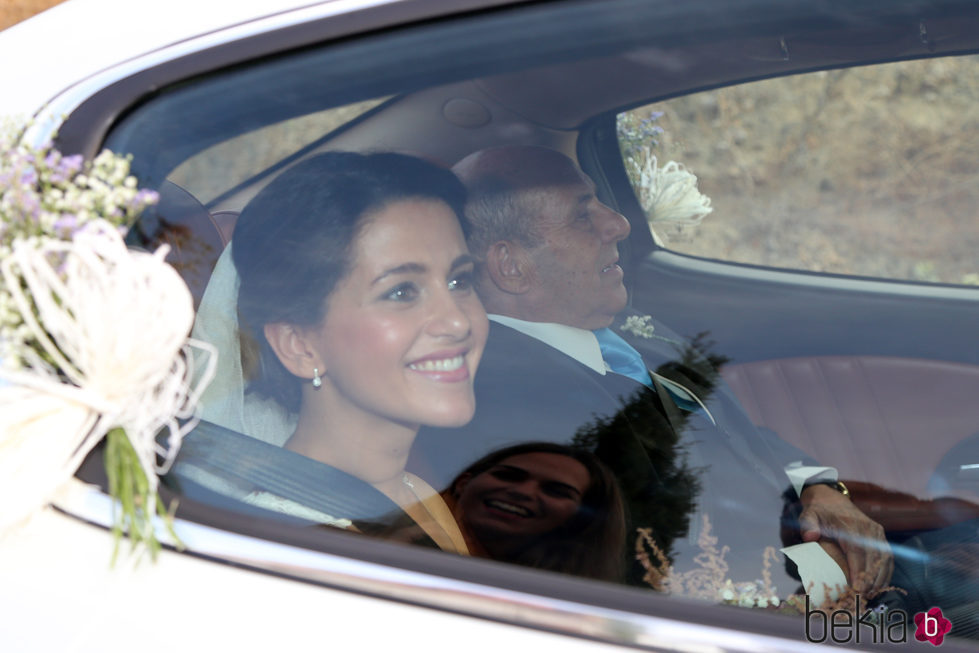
(506, 187)
(521, 167)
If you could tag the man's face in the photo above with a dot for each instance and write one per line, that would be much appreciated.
(577, 279)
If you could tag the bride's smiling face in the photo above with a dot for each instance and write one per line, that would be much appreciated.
(404, 330)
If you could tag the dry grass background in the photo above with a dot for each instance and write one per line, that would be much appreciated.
(869, 171)
(14, 11)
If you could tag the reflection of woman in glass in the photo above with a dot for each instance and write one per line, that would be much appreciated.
(356, 291)
(543, 505)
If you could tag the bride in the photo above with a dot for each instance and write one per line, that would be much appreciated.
(359, 323)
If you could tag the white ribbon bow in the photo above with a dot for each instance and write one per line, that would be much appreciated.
(115, 323)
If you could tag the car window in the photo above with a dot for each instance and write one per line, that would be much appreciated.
(235, 160)
(864, 171)
(662, 423)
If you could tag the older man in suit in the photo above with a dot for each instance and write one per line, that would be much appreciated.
(677, 439)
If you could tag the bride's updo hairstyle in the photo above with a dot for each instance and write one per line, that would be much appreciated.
(293, 243)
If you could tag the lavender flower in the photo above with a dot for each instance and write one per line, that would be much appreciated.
(63, 168)
(66, 224)
(46, 196)
(28, 177)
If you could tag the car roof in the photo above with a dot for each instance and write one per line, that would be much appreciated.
(79, 38)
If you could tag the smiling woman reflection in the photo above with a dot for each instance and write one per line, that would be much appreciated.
(356, 287)
(543, 505)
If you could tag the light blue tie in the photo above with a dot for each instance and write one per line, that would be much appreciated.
(622, 357)
(625, 360)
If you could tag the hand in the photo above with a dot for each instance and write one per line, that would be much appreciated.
(829, 515)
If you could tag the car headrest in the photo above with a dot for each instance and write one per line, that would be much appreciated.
(225, 221)
(182, 222)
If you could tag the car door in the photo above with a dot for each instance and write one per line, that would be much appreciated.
(870, 375)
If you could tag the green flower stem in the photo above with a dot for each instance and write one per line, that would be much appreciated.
(130, 486)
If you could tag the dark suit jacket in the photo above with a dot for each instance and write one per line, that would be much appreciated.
(668, 469)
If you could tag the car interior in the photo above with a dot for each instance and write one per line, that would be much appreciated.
(875, 376)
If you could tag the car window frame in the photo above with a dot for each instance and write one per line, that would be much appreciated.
(475, 587)
(119, 95)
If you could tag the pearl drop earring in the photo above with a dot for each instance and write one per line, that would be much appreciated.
(317, 381)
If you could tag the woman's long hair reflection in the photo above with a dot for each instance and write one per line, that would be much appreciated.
(542, 505)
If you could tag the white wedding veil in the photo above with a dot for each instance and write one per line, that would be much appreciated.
(225, 401)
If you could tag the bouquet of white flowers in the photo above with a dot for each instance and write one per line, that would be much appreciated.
(93, 337)
(668, 193)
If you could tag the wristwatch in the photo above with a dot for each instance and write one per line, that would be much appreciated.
(836, 485)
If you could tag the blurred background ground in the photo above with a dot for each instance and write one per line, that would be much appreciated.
(869, 171)
(14, 11)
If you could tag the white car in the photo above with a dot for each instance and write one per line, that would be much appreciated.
(831, 279)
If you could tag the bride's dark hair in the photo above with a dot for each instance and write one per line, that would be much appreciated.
(293, 243)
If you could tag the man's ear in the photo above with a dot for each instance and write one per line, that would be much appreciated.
(293, 349)
(510, 267)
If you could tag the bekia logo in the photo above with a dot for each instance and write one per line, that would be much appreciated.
(876, 625)
(932, 626)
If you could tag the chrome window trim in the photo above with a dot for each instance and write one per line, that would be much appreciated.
(90, 504)
(685, 264)
(52, 115)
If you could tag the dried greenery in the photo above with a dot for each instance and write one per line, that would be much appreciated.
(709, 581)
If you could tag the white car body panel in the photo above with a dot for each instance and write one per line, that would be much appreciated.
(62, 52)
(61, 594)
